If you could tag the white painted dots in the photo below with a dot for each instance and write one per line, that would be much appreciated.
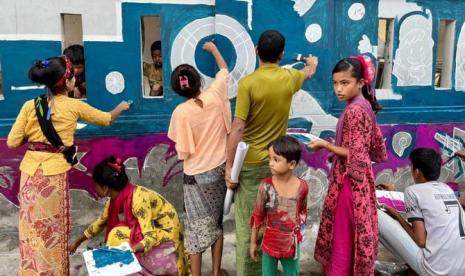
(313, 33)
(114, 82)
(356, 11)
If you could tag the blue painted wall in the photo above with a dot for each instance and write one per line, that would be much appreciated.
(341, 35)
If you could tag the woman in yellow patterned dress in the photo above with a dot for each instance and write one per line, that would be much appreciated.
(139, 216)
(43, 189)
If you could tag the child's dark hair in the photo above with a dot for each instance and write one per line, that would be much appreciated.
(287, 147)
(270, 46)
(111, 172)
(75, 53)
(428, 161)
(155, 46)
(49, 72)
(355, 67)
(186, 81)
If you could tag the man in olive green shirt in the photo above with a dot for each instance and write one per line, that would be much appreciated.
(262, 111)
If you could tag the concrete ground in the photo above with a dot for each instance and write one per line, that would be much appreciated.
(9, 253)
(85, 209)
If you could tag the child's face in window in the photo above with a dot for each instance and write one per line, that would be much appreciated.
(78, 69)
(70, 83)
(156, 57)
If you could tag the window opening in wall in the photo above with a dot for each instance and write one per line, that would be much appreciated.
(444, 55)
(385, 52)
(72, 45)
(152, 73)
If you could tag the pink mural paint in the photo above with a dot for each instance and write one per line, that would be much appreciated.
(140, 146)
(94, 151)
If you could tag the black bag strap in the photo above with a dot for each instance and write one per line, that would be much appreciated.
(41, 107)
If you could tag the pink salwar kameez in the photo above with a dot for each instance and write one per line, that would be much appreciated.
(347, 241)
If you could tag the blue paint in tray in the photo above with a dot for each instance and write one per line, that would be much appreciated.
(105, 256)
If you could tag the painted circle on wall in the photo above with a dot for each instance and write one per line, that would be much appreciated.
(205, 60)
(114, 82)
(356, 11)
(313, 33)
(186, 42)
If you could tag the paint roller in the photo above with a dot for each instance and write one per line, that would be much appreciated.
(300, 57)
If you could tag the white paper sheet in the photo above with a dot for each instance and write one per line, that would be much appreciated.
(241, 151)
(80, 125)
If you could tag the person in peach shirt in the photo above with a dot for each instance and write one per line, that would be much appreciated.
(199, 127)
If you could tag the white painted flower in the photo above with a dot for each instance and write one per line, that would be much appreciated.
(364, 46)
(303, 6)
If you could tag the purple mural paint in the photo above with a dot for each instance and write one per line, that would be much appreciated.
(94, 151)
(437, 136)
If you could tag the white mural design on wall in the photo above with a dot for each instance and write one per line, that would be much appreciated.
(395, 8)
(460, 62)
(400, 177)
(450, 145)
(313, 33)
(6, 177)
(302, 6)
(365, 46)
(413, 62)
(317, 180)
(306, 106)
(356, 11)
(249, 12)
(400, 142)
(185, 43)
(114, 82)
(386, 9)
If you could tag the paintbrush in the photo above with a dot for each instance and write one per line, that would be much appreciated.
(449, 159)
(300, 57)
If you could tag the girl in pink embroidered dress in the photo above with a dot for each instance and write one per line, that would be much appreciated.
(347, 241)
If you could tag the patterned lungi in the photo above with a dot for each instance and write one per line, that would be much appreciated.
(43, 224)
(203, 201)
